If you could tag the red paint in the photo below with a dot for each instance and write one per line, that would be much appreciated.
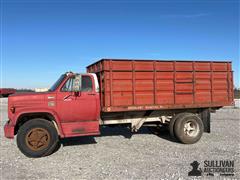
(9, 130)
(7, 91)
(71, 113)
(163, 84)
(127, 85)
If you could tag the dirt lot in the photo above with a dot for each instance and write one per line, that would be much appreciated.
(118, 155)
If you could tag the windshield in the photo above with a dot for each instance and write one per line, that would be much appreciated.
(57, 83)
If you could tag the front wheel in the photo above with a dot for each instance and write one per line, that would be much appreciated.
(37, 138)
(188, 129)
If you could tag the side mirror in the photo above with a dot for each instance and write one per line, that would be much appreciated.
(77, 83)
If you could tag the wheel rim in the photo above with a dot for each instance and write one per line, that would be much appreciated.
(191, 129)
(37, 139)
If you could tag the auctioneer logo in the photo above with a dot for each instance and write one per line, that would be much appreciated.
(212, 168)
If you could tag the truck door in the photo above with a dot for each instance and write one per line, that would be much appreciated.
(79, 111)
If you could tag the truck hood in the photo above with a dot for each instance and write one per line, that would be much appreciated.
(28, 99)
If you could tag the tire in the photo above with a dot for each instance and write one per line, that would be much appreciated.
(37, 138)
(172, 122)
(188, 128)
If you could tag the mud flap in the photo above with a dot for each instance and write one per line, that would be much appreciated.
(205, 116)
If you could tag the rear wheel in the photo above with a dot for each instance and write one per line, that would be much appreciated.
(172, 123)
(37, 138)
(188, 128)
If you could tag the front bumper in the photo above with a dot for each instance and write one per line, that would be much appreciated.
(9, 130)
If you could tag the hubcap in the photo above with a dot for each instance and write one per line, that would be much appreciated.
(37, 139)
(191, 129)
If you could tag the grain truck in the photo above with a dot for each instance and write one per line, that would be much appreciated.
(179, 95)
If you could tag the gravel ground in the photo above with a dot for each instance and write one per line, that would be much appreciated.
(118, 155)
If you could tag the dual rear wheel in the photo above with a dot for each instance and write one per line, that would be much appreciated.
(186, 128)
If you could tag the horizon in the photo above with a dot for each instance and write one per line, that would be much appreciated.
(40, 40)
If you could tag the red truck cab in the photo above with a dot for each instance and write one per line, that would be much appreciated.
(70, 113)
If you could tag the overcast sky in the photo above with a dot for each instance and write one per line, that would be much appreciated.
(43, 39)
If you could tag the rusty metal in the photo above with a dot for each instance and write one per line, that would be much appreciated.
(37, 139)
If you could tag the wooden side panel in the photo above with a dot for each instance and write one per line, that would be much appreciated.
(165, 86)
(220, 86)
(184, 66)
(164, 66)
(203, 83)
(143, 66)
(140, 84)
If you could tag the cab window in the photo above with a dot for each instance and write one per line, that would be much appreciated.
(68, 86)
(86, 84)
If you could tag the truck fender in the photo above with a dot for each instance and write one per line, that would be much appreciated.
(56, 120)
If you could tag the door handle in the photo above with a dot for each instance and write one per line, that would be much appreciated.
(92, 94)
(67, 97)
